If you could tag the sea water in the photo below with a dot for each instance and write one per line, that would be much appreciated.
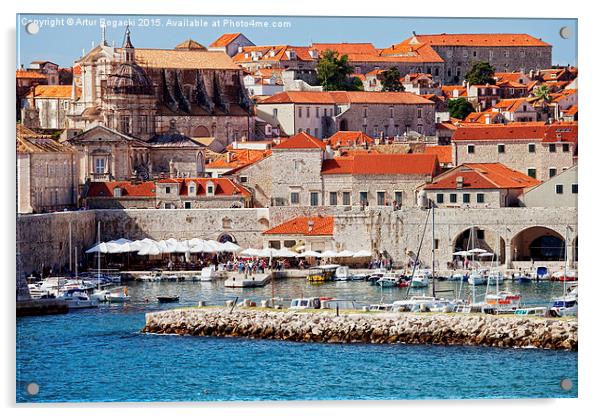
(100, 355)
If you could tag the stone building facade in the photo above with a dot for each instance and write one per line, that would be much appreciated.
(46, 173)
(322, 114)
(139, 92)
(535, 149)
(505, 52)
(560, 191)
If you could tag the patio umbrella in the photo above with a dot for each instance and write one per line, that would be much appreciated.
(309, 253)
(329, 254)
(229, 247)
(346, 253)
(267, 252)
(486, 255)
(250, 252)
(363, 253)
(102, 248)
(284, 252)
(476, 251)
(151, 249)
(461, 253)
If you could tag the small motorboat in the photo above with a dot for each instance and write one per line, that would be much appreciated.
(420, 279)
(77, 299)
(388, 280)
(306, 303)
(119, 295)
(495, 276)
(375, 276)
(476, 278)
(168, 299)
(342, 274)
(523, 278)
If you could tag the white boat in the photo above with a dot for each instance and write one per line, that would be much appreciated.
(565, 305)
(388, 280)
(208, 274)
(149, 278)
(455, 277)
(305, 303)
(495, 277)
(37, 292)
(425, 303)
(118, 295)
(380, 307)
(536, 311)
(77, 299)
(420, 279)
(100, 295)
(476, 278)
(342, 274)
(502, 302)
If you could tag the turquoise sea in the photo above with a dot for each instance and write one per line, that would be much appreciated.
(99, 355)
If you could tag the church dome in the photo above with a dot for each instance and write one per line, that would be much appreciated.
(130, 78)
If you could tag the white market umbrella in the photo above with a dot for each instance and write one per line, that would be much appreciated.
(230, 247)
(329, 254)
(284, 252)
(363, 253)
(486, 255)
(102, 248)
(152, 249)
(461, 253)
(309, 253)
(476, 251)
(346, 253)
(250, 252)
(182, 247)
(267, 252)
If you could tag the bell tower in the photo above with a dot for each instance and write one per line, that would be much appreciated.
(127, 51)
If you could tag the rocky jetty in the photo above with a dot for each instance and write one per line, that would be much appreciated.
(381, 328)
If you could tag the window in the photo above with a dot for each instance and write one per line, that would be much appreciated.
(531, 147)
(209, 189)
(552, 172)
(300, 112)
(99, 165)
(532, 172)
(275, 113)
(117, 192)
(565, 147)
(559, 189)
(480, 198)
(552, 148)
(470, 148)
(574, 188)
(187, 205)
(316, 132)
(317, 112)
(363, 197)
(307, 112)
(466, 198)
(346, 198)
(168, 189)
(436, 243)
(501, 148)
(474, 54)
(125, 124)
(142, 124)
(440, 198)
(192, 189)
(390, 112)
(294, 198)
(380, 198)
(244, 179)
(522, 54)
(398, 197)
(333, 198)
(419, 112)
(453, 198)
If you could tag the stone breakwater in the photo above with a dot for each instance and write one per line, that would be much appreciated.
(438, 329)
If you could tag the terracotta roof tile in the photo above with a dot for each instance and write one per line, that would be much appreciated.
(346, 48)
(481, 39)
(349, 138)
(223, 187)
(224, 40)
(301, 140)
(444, 153)
(24, 74)
(305, 226)
(412, 52)
(106, 189)
(183, 59)
(536, 131)
(382, 164)
(483, 176)
(53, 91)
(333, 97)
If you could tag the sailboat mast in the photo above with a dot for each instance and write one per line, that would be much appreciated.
(98, 256)
(566, 259)
(433, 245)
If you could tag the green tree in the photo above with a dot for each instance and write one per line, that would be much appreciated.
(333, 72)
(390, 79)
(543, 93)
(480, 73)
(459, 108)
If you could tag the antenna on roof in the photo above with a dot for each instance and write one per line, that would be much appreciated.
(103, 35)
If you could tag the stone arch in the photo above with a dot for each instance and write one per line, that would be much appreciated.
(200, 131)
(264, 223)
(225, 237)
(344, 126)
(483, 238)
(538, 243)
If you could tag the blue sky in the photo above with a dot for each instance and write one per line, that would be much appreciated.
(62, 38)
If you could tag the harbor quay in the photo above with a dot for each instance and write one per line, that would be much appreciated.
(367, 327)
(511, 234)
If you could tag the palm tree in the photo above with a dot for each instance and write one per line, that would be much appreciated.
(543, 93)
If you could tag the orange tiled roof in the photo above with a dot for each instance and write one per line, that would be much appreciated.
(334, 97)
(29, 141)
(301, 140)
(24, 74)
(510, 104)
(349, 138)
(106, 189)
(481, 39)
(77, 70)
(346, 48)
(413, 52)
(190, 44)
(224, 40)
(483, 176)
(448, 91)
(444, 153)
(239, 158)
(53, 91)
(537, 131)
(273, 53)
(571, 111)
(305, 226)
(382, 164)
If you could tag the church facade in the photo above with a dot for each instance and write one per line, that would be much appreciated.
(141, 92)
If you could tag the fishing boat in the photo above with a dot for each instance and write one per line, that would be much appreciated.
(424, 303)
(168, 299)
(420, 279)
(501, 302)
(77, 299)
(342, 274)
(305, 303)
(495, 277)
(565, 276)
(523, 278)
(380, 307)
(455, 277)
(375, 276)
(100, 295)
(321, 274)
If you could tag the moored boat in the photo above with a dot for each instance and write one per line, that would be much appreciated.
(77, 299)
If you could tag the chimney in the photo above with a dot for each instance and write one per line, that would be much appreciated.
(228, 157)
(459, 182)
(239, 49)
(310, 226)
(487, 118)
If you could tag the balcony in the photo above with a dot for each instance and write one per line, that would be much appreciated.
(100, 177)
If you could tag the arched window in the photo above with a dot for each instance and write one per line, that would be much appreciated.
(191, 188)
(210, 188)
